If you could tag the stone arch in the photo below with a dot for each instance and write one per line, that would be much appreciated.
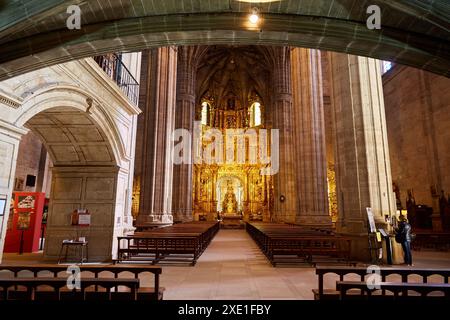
(86, 151)
(30, 40)
(76, 101)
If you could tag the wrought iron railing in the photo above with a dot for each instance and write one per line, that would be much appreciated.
(113, 66)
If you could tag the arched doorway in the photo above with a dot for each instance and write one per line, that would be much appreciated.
(88, 130)
(84, 176)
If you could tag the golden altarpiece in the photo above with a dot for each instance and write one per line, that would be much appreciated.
(233, 188)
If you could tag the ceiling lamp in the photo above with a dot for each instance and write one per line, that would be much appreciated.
(254, 16)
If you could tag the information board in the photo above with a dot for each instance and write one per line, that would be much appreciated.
(372, 225)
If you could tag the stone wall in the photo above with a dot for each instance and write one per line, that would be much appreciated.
(28, 162)
(418, 120)
(83, 187)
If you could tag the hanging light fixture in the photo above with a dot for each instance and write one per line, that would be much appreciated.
(254, 16)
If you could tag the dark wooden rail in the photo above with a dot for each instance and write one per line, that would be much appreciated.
(89, 275)
(283, 243)
(363, 274)
(399, 290)
(431, 240)
(57, 285)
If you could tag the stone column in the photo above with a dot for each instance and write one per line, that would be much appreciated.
(159, 78)
(310, 148)
(188, 58)
(363, 173)
(282, 113)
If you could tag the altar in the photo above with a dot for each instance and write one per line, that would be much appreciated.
(232, 222)
(231, 134)
(230, 216)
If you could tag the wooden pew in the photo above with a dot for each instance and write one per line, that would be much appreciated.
(57, 285)
(363, 274)
(98, 271)
(400, 290)
(178, 243)
(431, 240)
(294, 244)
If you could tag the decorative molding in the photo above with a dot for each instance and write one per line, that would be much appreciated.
(10, 102)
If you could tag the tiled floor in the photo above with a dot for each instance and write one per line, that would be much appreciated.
(233, 268)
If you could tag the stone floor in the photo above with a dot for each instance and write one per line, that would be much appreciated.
(233, 268)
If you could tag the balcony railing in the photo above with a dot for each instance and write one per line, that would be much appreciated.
(113, 66)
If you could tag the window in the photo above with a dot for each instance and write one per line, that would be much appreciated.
(386, 66)
(205, 110)
(255, 114)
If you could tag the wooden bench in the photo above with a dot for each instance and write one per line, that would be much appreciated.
(38, 288)
(90, 273)
(178, 243)
(431, 240)
(283, 243)
(399, 290)
(363, 274)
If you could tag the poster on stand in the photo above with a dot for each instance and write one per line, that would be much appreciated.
(372, 225)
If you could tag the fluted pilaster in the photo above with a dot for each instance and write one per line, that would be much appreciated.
(159, 77)
(284, 181)
(188, 58)
(309, 133)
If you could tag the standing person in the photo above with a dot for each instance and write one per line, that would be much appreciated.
(404, 237)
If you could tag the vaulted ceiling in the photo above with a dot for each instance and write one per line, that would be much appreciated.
(241, 71)
(72, 138)
(33, 33)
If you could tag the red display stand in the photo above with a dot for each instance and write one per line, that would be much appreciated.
(24, 222)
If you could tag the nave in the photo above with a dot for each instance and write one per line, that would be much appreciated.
(234, 268)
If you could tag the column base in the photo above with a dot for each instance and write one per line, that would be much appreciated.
(183, 217)
(154, 221)
(284, 217)
(359, 250)
(315, 221)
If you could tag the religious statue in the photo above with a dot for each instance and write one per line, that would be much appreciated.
(231, 104)
(229, 203)
(203, 186)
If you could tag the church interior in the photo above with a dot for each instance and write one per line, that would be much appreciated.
(228, 168)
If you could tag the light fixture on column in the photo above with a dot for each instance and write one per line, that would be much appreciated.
(254, 16)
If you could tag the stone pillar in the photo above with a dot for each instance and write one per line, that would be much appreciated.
(363, 173)
(9, 146)
(310, 148)
(159, 78)
(284, 181)
(188, 58)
